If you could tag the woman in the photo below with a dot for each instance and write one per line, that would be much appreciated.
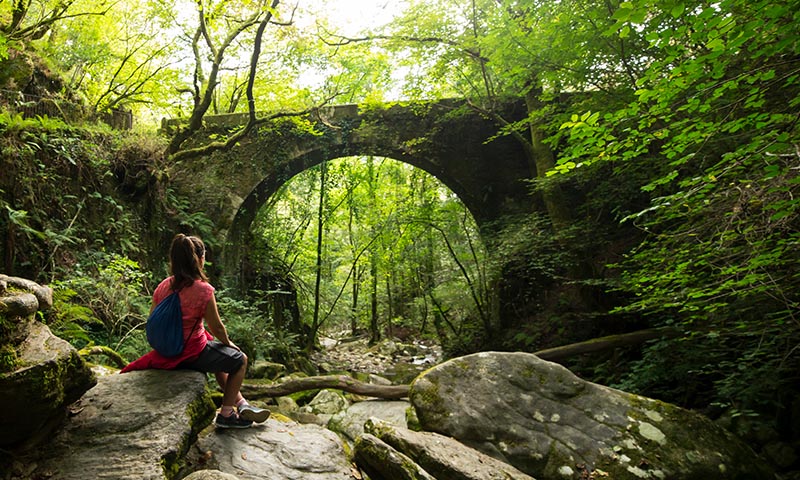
(201, 352)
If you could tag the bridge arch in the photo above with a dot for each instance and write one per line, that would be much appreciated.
(445, 139)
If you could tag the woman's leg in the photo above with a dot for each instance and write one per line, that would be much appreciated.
(221, 358)
(231, 386)
(245, 410)
(222, 380)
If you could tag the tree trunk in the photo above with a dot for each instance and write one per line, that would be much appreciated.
(101, 350)
(318, 279)
(544, 161)
(356, 274)
(389, 308)
(354, 306)
(375, 334)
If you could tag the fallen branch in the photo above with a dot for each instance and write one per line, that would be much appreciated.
(340, 382)
(606, 343)
(393, 392)
(100, 350)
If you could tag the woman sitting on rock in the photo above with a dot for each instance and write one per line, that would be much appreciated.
(201, 352)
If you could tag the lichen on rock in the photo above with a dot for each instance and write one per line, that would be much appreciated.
(40, 374)
(539, 417)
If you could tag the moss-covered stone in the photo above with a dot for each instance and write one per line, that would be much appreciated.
(8, 358)
(547, 422)
(380, 460)
(201, 413)
(41, 375)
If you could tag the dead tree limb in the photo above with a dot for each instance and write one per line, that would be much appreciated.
(393, 392)
(606, 343)
(340, 382)
(100, 350)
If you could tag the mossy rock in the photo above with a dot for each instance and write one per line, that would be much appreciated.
(50, 376)
(542, 419)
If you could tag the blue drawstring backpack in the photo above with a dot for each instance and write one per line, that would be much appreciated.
(165, 326)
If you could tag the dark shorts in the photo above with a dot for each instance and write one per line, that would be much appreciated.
(217, 357)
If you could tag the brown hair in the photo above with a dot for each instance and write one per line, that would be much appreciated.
(186, 260)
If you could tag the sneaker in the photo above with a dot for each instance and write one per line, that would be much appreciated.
(233, 421)
(254, 414)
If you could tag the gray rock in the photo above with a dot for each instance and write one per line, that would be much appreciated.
(287, 405)
(268, 370)
(44, 373)
(443, 457)
(210, 475)
(136, 425)
(539, 417)
(351, 422)
(44, 295)
(327, 402)
(378, 380)
(380, 461)
(276, 449)
(18, 304)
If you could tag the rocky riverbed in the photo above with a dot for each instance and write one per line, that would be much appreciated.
(512, 413)
(398, 361)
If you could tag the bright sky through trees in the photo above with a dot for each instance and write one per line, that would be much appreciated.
(346, 18)
(352, 17)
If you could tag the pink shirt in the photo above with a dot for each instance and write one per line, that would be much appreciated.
(194, 300)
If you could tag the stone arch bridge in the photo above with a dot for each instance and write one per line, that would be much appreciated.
(446, 139)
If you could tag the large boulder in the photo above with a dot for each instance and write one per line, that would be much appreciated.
(40, 374)
(135, 426)
(539, 417)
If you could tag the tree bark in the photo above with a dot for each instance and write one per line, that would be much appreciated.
(340, 382)
(605, 343)
(544, 161)
(100, 350)
(315, 321)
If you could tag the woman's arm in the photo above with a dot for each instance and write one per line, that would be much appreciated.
(215, 325)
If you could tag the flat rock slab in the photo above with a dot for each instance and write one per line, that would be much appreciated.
(129, 426)
(276, 449)
(351, 421)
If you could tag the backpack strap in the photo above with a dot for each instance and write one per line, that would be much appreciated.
(195, 323)
(192, 330)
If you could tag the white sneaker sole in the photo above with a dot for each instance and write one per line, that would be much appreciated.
(256, 415)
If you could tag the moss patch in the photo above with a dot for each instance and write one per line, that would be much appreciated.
(8, 359)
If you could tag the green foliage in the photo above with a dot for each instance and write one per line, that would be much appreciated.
(182, 208)
(69, 320)
(256, 334)
(102, 302)
(715, 122)
(388, 230)
(8, 358)
(15, 122)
